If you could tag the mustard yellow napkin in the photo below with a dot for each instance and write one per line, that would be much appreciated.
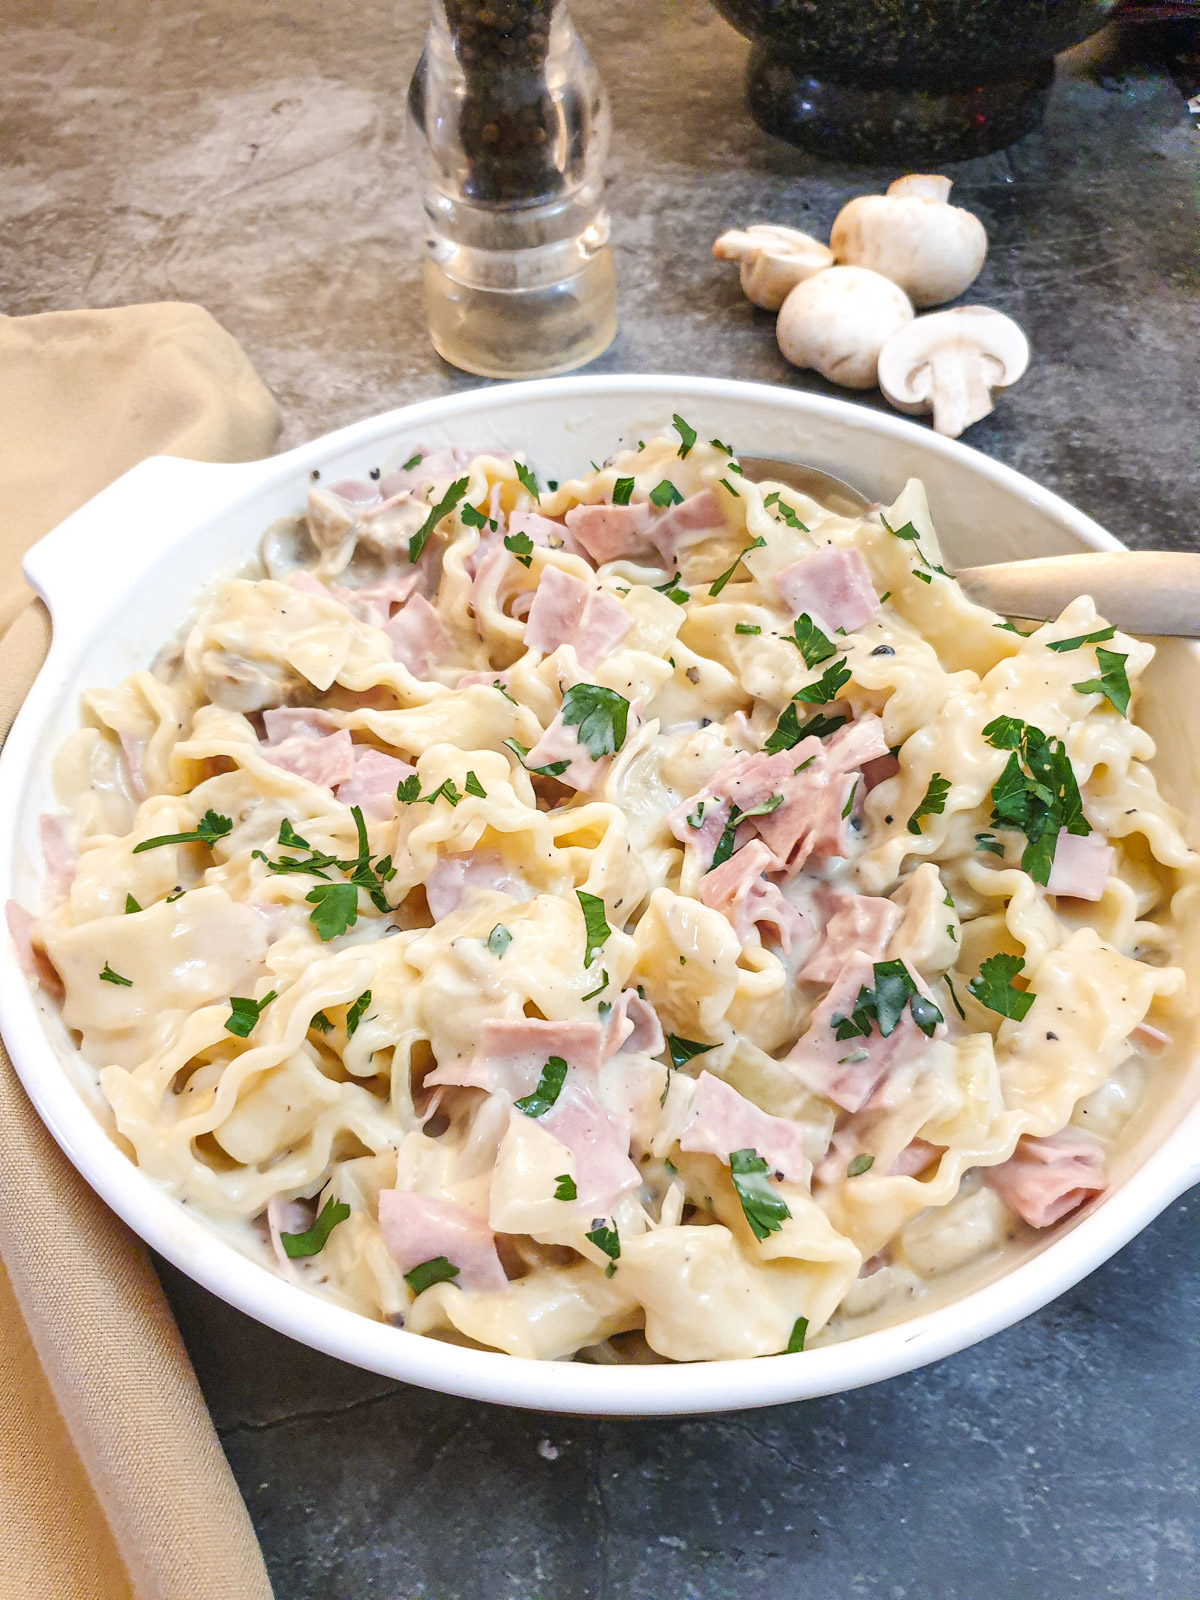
(112, 1483)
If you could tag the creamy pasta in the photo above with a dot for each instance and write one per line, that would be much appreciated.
(648, 917)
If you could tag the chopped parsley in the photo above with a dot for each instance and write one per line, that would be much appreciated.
(957, 1002)
(828, 686)
(600, 987)
(746, 627)
(109, 976)
(356, 1012)
(413, 461)
(849, 806)
(244, 1014)
(528, 480)
(408, 790)
(564, 1187)
(861, 1163)
(994, 989)
(320, 1022)
(799, 1333)
(672, 591)
(909, 533)
(314, 1240)
(473, 786)
(549, 1087)
(687, 436)
(1112, 682)
(665, 494)
(622, 491)
(477, 519)
(606, 1240)
(600, 715)
(725, 484)
(726, 842)
(131, 905)
(290, 839)
(335, 908)
(521, 546)
(594, 921)
(764, 1210)
(438, 1269)
(989, 842)
(811, 642)
(211, 827)
(696, 818)
(1036, 794)
(785, 512)
(934, 803)
(553, 769)
(683, 1050)
(499, 940)
(885, 1004)
(443, 509)
(715, 588)
(789, 731)
(1099, 637)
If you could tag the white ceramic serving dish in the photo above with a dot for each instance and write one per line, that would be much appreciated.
(121, 575)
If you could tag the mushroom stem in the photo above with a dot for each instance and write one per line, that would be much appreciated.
(959, 388)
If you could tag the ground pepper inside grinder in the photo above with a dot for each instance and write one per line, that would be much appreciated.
(519, 277)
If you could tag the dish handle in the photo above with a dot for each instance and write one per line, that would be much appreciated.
(84, 563)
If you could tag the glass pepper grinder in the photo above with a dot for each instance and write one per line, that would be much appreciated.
(514, 122)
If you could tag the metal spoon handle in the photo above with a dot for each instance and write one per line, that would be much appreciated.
(1142, 591)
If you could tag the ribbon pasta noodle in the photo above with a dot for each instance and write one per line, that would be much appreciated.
(647, 917)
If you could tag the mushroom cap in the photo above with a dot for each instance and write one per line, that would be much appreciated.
(913, 236)
(838, 321)
(950, 363)
(774, 259)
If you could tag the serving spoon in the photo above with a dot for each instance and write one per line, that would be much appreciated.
(1141, 591)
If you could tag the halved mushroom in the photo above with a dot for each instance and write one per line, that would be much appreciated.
(950, 363)
(913, 236)
(838, 321)
(773, 260)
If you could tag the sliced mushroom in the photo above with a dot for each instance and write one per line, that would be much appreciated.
(915, 237)
(950, 363)
(773, 260)
(838, 321)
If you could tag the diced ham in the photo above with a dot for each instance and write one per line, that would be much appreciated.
(133, 750)
(432, 467)
(633, 1026)
(833, 587)
(638, 532)
(297, 722)
(453, 876)
(20, 930)
(354, 490)
(674, 529)
(374, 603)
(418, 635)
(418, 1227)
(859, 924)
(600, 1145)
(1081, 865)
(560, 743)
(545, 532)
(740, 892)
(914, 1158)
(847, 1071)
(722, 1120)
(879, 771)
(59, 855)
(372, 784)
(324, 758)
(566, 610)
(1046, 1178)
(512, 1054)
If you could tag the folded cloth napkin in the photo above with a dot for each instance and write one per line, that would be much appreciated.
(112, 1483)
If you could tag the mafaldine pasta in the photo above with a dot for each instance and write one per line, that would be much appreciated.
(644, 917)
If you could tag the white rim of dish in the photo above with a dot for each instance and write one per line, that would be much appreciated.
(563, 1386)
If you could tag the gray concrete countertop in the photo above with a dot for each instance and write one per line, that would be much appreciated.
(254, 159)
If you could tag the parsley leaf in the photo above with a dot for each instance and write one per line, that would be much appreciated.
(109, 976)
(473, 786)
(413, 461)
(665, 494)
(789, 731)
(1036, 794)
(860, 1164)
(521, 546)
(726, 842)
(564, 1187)
(552, 770)
(957, 1003)
(746, 627)
(715, 588)
(320, 1022)
(438, 1269)
(601, 716)
(131, 905)
(290, 839)
(499, 940)
(243, 1013)
(885, 1004)
(335, 908)
(314, 1240)
(681, 1050)
(622, 491)
(799, 1333)
(764, 1210)
(672, 590)
(725, 484)
(785, 512)
(600, 987)
(687, 436)
(934, 803)
(1112, 682)
(607, 1240)
(475, 519)
(828, 686)
(594, 921)
(549, 1087)
(408, 790)
(1080, 639)
(208, 830)
(811, 642)
(849, 806)
(528, 480)
(993, 987)
(356, 1012)
(443, 509)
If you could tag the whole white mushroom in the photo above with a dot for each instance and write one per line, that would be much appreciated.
(915, 237)
(838, 321)
(950, 363)
(773, 260)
